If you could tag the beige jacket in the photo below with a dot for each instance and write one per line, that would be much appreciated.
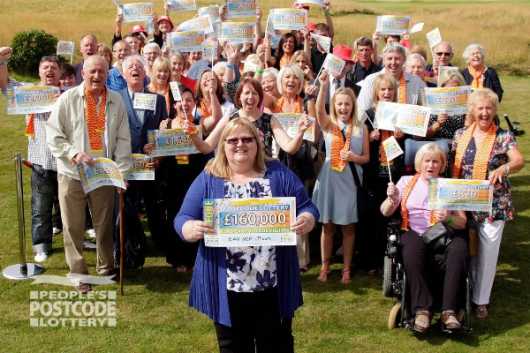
(66, 131)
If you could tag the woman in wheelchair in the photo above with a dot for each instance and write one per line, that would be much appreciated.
(411, 194)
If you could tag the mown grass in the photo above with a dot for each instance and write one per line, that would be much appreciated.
(153, 316)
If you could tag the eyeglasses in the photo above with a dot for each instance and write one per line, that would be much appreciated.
(234, 141)
(444, 54)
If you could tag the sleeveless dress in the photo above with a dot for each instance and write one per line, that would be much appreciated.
(335, 193)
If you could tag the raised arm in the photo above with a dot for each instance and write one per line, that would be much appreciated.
(329, 20)
(208, 123)
(209, 145)
(322, 116)
(288, 144)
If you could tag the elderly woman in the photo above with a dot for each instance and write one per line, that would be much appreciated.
(290, 83)
(150, 52)
(178, 66)
(477, 74)
(269, 78)
(415, 65)
(347, 148)
(411, 194)
(486, 152)
(249, 313)
(411, 88)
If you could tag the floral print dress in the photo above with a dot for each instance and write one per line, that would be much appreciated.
(502, 208)
(251, 268)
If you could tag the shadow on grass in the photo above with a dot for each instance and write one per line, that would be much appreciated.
(160, 279)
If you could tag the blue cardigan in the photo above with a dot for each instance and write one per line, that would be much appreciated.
(208, 293)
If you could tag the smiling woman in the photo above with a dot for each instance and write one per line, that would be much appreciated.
(251, 293)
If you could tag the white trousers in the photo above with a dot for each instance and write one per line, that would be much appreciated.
(484, 265)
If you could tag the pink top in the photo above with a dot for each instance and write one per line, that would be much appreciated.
(419, 215)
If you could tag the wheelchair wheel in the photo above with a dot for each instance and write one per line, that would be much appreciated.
(387, 277)
(394, 316)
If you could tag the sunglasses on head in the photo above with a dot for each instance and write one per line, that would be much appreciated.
(235, 140)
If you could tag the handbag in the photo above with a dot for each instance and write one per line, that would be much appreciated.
(437, 237)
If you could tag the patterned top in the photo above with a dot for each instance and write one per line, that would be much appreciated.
(447, 130)
(502, 208)
(38, 151)
(252, 268)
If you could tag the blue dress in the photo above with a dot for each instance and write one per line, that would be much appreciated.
(335, 193)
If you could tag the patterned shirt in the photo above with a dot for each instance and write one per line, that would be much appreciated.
(502, 208)
(251, 268)
(38, 151)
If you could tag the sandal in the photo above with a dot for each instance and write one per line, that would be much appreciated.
(324, 272)
(449, 320)
(422, 321)
(481, 312)
(346, 276)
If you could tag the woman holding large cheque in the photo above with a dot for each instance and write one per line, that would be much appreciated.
(485, 151)
(250, 293)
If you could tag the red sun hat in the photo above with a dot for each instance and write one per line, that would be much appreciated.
(344, 52)
(165, 18)
(137, 29)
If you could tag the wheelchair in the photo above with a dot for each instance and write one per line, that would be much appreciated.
(395, 286)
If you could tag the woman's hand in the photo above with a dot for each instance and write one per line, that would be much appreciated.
(442, 118)
(375, 135)
(311, 90)
(497, 175)
(304, 123)
(194, 230)
(398, 133)
(149, 147)
(164, 124)
(347, 155)
(392, 192)
(304, 223)
(323, 78)
(440, 215)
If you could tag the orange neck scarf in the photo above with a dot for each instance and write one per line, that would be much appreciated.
(482, 156)
(404, 211)
(95, 119)
(402, 98)
(339, 143)
(30, 125)
(478, 76)
(282, 105)
(205, 109)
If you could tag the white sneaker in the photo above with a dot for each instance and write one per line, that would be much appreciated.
(41, 257)
(56, 230)
(91, 233)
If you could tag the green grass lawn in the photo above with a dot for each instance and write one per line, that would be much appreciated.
(153, 316)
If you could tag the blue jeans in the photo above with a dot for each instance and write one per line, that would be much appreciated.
(43, 197)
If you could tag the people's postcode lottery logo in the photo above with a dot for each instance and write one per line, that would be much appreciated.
(72, 309)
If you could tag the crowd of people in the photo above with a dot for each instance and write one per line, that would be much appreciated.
(227, 106)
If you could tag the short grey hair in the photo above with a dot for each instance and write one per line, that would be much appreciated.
(152, 45)
(130, 58)
(291, 68)
(272, 71)
(479, 95)
(470, 49)
(415, 56)
(94, 58)
(395, 48)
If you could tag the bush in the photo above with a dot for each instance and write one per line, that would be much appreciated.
(28, 48)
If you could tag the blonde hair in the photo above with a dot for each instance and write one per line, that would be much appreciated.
(449, 75)
(356, 124)
(219, 166)
(379, 81)
(161, 63)
(433, 149)
(290, 69)
(478, 95)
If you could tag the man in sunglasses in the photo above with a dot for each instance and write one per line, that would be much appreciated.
(442, 56)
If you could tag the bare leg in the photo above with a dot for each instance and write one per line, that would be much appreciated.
(326, 247)
(348, 240)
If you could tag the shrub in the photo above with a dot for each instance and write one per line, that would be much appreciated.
(28, 48)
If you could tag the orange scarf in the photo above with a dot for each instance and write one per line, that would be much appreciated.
(404, 210)
(402, 98)
(339, 143)
(280, 106)
(478, 76)
(95, 120)
(204, 109)
(482, 156)
(30, 125)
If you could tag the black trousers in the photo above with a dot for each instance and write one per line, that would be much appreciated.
(424, 272)
(256, 325)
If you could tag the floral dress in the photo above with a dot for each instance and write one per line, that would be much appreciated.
(502, 208)
(251, 268)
